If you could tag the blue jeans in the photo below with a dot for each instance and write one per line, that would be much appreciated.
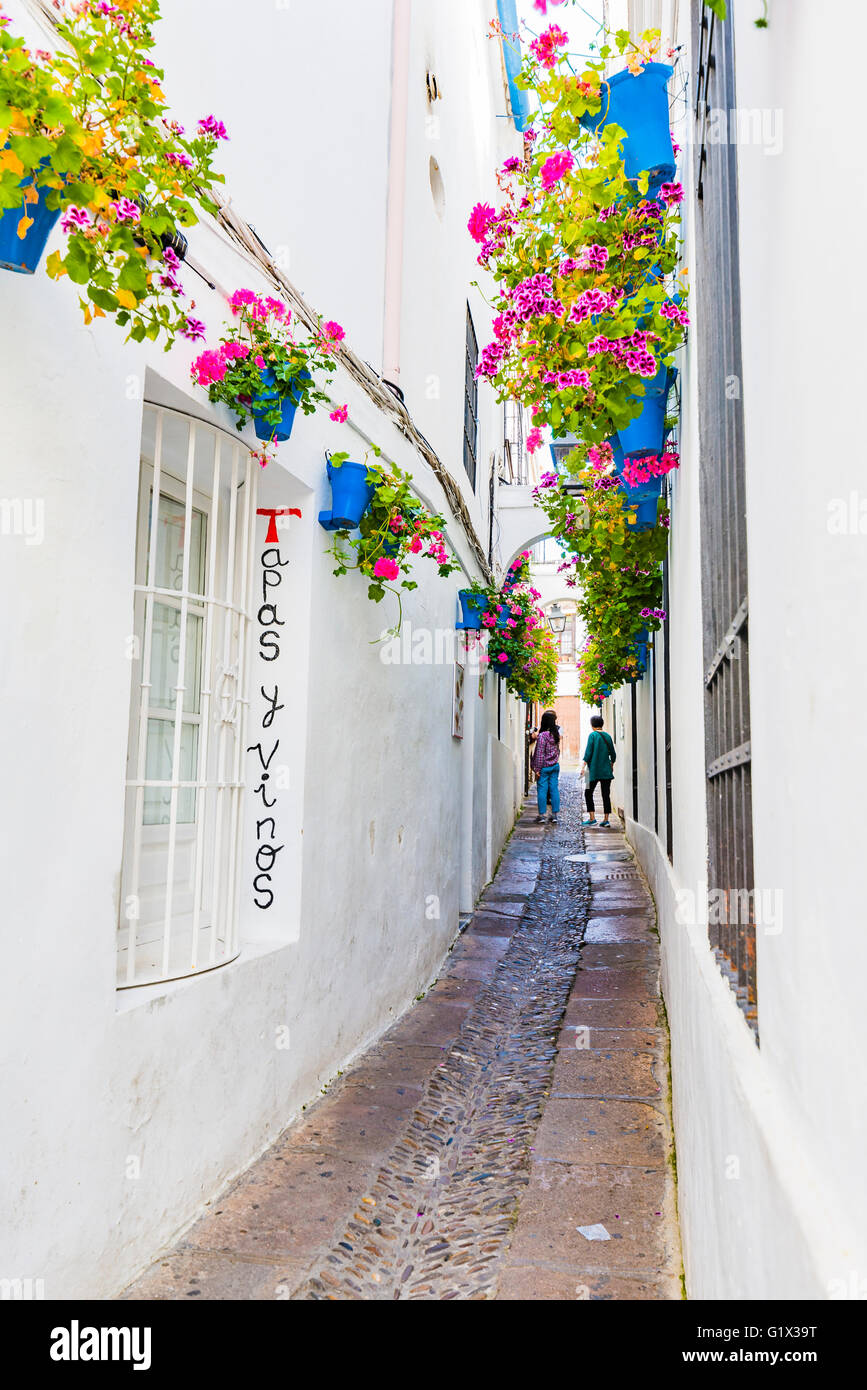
(549, 785)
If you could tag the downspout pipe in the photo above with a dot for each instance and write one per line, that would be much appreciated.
(396, 207)
(519, 100)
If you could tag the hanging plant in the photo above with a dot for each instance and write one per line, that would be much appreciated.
(265, 368)
(615, 565)
(85, 135)
(582, 256)
(395, 530)
(524, 650)
(519, 571)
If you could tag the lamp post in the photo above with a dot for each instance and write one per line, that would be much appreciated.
(556, 619)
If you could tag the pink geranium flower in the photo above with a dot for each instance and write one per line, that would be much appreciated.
(556, 167)
(330, 335)
(126, 211)
(74, 219)
(209, 367)
(481, 217)
(193, 329)
(386, 569)
(209, 125)
(534, 441)
(340, 414)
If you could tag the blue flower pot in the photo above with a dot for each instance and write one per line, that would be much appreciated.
(351, 495)
(23, 254)
(647, 512)
(640, 649)
(288, 407)
(472, 607)
(640, 106)
(503, 668)
(646, 434)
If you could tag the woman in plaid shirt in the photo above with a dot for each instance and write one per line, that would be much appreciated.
(546, 765)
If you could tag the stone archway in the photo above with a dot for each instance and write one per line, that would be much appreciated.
(522, 522)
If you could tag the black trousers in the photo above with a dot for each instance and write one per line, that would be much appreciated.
(605, 784)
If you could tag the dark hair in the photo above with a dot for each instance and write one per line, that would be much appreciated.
(597, 721)
(549, 725)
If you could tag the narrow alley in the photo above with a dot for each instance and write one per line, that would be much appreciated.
(508, 1138)
(427, 424)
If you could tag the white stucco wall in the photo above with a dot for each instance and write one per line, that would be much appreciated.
(770, 1138)
(188, 1078)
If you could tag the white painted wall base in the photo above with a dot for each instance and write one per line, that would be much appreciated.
(758, 1220)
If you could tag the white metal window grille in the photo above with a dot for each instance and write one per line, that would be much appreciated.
(183, 818)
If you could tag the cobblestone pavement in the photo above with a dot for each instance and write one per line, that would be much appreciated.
(522, 1099)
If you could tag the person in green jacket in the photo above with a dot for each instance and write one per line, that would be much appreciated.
(600, 756)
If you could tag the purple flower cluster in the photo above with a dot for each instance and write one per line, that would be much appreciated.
(592, 302)
(671, 311)
(534, 297)
(631, 352)
(594, 257)
(490, 359)
(563, 380)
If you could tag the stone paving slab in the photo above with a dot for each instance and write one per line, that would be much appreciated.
(627, 1201)
(533, 1281)
(618, 1073)
(618, 928)
(456, 1158)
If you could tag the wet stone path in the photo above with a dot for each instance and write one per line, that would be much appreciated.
(521, 1101)
(439, 1215)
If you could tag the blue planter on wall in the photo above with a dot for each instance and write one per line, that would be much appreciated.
(640, 645)
(282, 430)
(640, 106)
(351, 495)
(472, 607)
(647, 511)
(22, 254)
(646, 434)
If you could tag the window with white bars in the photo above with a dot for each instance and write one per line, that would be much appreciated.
(184, 819)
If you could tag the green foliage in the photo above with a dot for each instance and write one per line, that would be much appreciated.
(87, 129)
(590, 306)
(395, 529)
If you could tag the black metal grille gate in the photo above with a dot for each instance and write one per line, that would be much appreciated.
(723, 515)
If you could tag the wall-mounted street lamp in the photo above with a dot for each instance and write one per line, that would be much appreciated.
(556, 619)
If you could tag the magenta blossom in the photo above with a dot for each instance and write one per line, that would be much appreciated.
(546, 45)
(340, 414)
(180, 158)
(330, 335)
(481, 217)
(209, 367)
(126, 211)
(386, 569)
(74, 219)
(555, 168)
(534, 441)
(209, 125)
(193, 329)
(671, 193)
(233, 352)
